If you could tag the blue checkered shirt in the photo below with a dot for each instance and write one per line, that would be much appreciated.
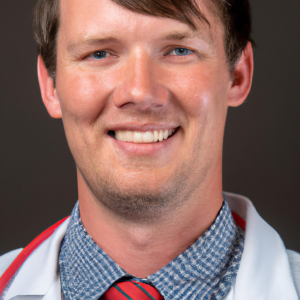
(206, 270)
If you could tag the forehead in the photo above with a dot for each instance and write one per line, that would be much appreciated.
(80, 19)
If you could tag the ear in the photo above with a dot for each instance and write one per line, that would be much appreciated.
(242, 78)
(48, 90)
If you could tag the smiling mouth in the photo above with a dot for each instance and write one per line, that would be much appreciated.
(142, 137)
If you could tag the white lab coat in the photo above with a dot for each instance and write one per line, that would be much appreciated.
(264, 274)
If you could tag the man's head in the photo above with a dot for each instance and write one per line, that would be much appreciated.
(143, 100)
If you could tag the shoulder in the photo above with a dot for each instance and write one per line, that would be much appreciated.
(7, 258)
(294, 259)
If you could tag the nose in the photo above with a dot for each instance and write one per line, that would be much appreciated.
(140, 84)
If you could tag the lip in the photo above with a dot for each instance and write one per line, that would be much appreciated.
(144, 149)
(142, 127)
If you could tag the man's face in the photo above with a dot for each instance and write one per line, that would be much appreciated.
(125, 80)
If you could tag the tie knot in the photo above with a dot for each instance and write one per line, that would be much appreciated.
(132, 290)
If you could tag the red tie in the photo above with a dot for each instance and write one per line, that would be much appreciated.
(132, 290)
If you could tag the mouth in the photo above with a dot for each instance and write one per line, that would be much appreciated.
(142, 137)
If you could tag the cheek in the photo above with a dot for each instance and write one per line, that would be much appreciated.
(199, 90)
(83, 95)
(83, 98)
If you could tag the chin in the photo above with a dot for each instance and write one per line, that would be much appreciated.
(135, 200)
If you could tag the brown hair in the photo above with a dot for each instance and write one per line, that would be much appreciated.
(233, 14)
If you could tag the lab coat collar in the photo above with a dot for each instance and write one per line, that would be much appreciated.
(39, 273)
(264, 271)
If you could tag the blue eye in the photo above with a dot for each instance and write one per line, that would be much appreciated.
(182, 51)
(99, 54)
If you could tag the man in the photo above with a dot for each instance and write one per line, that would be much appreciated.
(143, 89)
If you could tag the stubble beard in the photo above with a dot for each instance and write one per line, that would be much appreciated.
(138, 205)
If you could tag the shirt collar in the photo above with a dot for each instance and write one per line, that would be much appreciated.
(207, 267)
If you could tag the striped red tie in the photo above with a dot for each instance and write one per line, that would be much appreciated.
(132, 290)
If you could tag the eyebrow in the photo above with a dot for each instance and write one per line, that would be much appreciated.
(182, 35)
(91, 41)
(94, 41)
(178, 36)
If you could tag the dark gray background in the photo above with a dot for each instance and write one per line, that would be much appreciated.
(262, 139)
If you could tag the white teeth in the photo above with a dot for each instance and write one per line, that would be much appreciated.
(119, 135)
(148, 137)
(155, 135)
(160, 135)
(166, 134)
(128, 136)
(143, 137)
(138, 137)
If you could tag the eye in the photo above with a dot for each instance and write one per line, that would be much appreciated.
(99, 54)
(180, 51)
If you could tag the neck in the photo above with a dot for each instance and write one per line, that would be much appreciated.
(142, 249)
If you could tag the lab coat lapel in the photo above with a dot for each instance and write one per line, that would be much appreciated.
(54, 292)
(264, 272)
(39, 273)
